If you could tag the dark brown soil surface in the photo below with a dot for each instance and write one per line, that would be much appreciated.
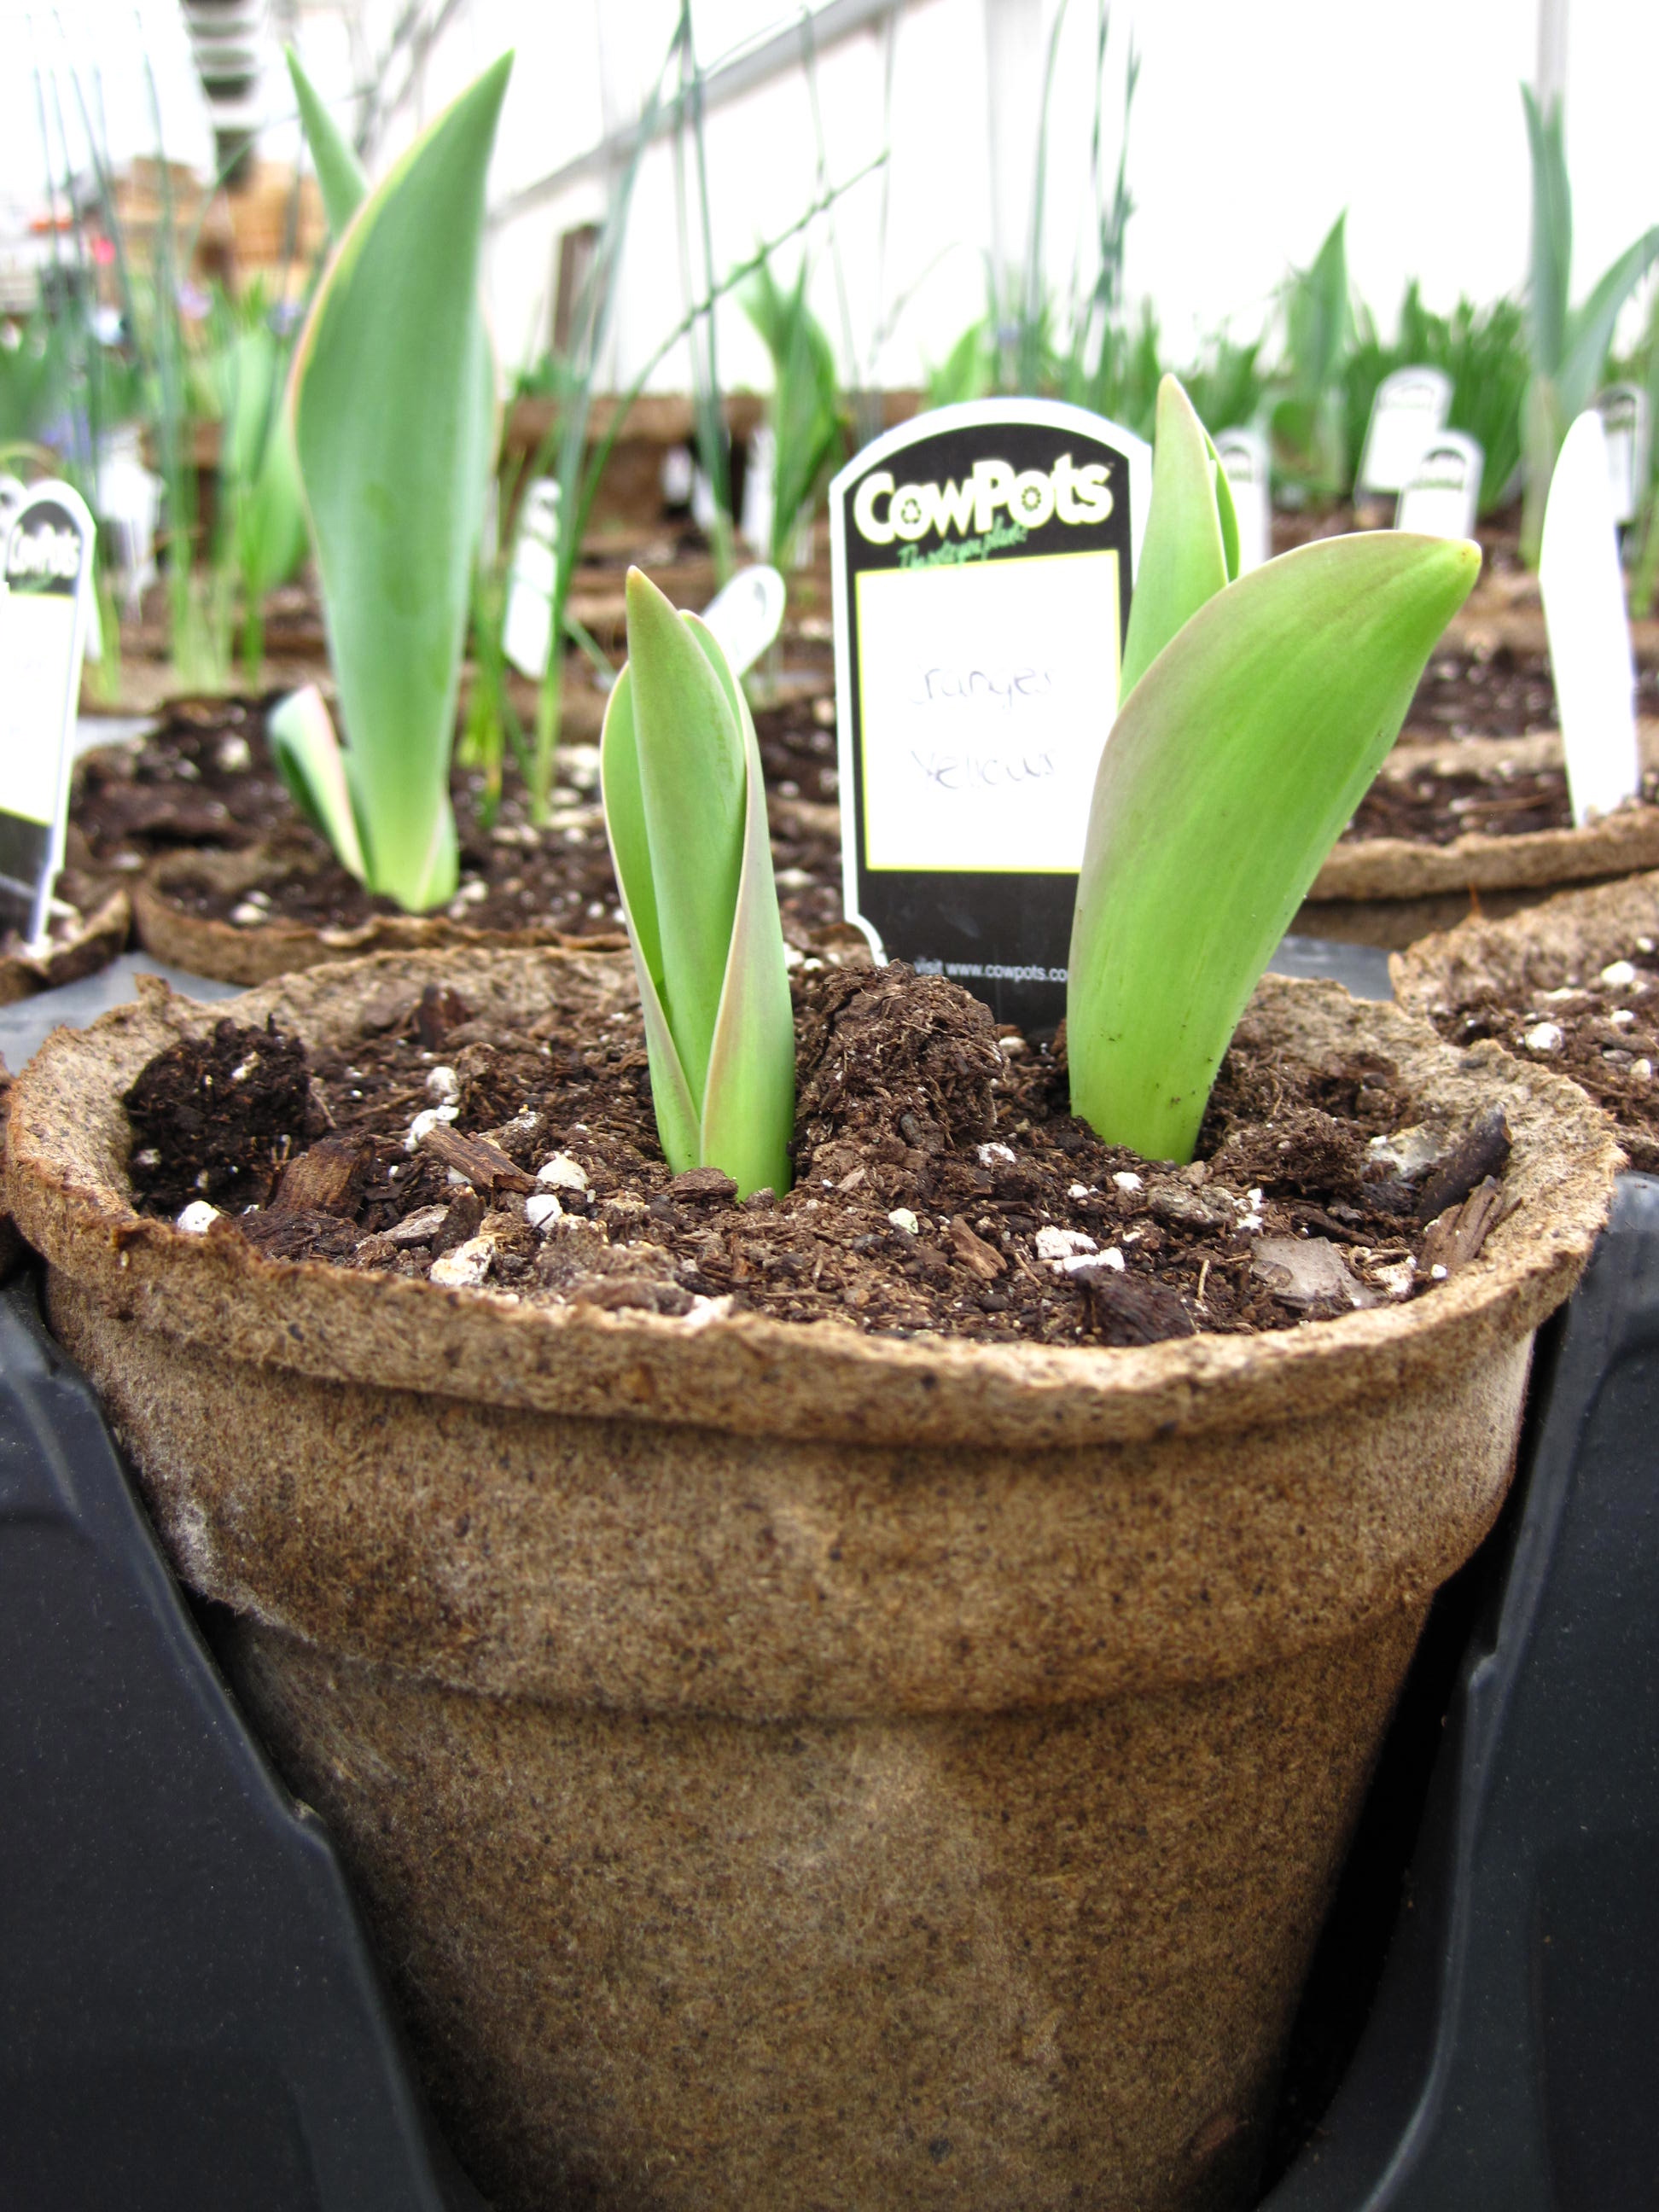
(943, 1187)
(206, 780)
(1499, 694)
(1434, 809)
(1601, 1029)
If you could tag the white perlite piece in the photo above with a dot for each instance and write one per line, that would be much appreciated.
(1545, 1036)
(465, 1267)
(247, 915)
(443, 1084)
(901, 1218)
(198, 1218)
(1126, 1179)
(234, 756)
(1619, 974)
(1058, 1245)
(563, 1173)
(1081, 1190)
(1398, 1277)
(1642, 1071)
(428, 1118)
(542, 1208)
(1091, 1266)
(1621, 1017)
(990, 1154)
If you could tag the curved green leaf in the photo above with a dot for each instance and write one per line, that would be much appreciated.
(749, 1104)
(1552, 236)
(1227, 778)
(1590, 331)
(681, 775)
(677, 1121)
(392, 414)
(339, 172)
(1183, 559)
(307, 756)
(693, 784)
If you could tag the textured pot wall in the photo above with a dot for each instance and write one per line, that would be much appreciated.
(789, 1769)
(1018, 1960)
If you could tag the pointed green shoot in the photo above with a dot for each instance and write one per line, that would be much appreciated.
(308, 759)
(1185, 559)
(1226, 780)
(394, 416)
(685, 809)
(1552, 236)
(339, 172)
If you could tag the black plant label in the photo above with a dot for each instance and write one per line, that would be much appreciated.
(983, 560)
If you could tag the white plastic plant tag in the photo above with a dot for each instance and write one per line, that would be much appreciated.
(527, 629)
(1623, 409)
(755, 523)
(982, 557)
(1407, 414)
(45, 593)
(1583, 587)
(1444, 491)
(1244, 455)
(746, 614)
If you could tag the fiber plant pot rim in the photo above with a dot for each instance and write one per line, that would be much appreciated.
(68, 1140)
(204, 946)
(1401, 868)
(102, 935)
(1576, 931)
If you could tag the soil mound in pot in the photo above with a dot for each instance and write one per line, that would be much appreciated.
(784, 1764)
(943, 1184)
(1572, 985)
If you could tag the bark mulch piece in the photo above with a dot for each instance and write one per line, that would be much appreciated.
(942, 1187)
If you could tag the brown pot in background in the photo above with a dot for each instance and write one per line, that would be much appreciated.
(1390, 891)
(202, 945)
(102, 935)
(782, 1767)
(1575, 934)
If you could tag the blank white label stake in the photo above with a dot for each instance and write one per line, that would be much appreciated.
(1444, 491)
(1409, 412)
(1243, 456)
(46, 591)
(527, 631)
(746, 614)
(1583, 592)
(1624, 411)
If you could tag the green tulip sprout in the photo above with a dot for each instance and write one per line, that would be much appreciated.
(1257, 709)
(1235, 761)
(392, 404)
(685, 809)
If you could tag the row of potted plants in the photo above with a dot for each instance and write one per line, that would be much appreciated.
(836, 1574)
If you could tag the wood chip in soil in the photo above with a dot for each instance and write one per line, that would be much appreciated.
(942, 1187)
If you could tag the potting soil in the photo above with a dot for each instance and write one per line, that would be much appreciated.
(1601, 1029)
(943, 1187)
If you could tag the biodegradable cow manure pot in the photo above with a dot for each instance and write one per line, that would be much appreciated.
(784, 1763)
(1572, 985)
